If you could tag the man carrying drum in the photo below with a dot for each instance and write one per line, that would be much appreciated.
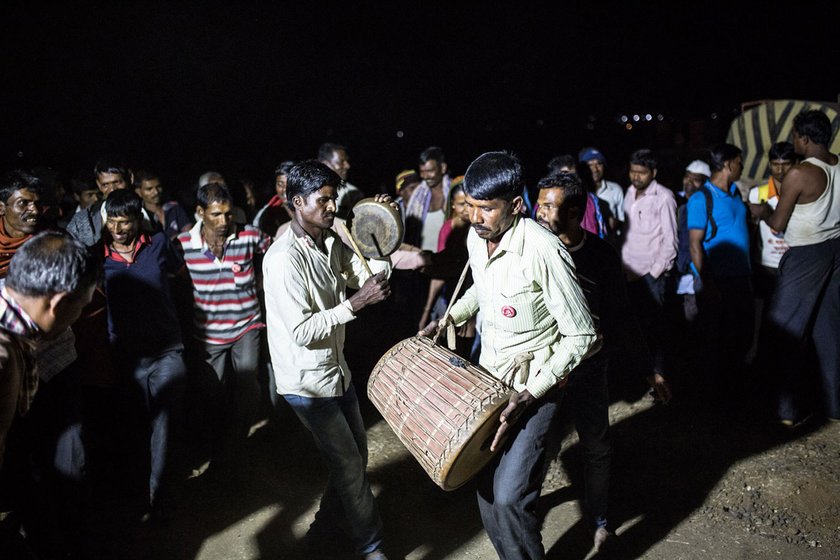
(306, 272)
(537, 328)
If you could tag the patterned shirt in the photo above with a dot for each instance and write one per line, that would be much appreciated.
(530, 301)
(225, 290)
(15, 321)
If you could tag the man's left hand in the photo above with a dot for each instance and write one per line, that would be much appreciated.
(510, 415)
(385, 199)
(661, 390)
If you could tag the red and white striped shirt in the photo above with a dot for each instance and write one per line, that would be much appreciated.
(224, 290)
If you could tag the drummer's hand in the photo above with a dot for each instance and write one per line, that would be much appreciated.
(385, 199)
(661, 390)
(517, 405)
(435, 327)
(374, 290)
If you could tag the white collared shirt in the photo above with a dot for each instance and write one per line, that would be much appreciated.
(531, 301)
(306, 310)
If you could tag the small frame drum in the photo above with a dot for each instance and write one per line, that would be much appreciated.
(442, 408)
(377, 228)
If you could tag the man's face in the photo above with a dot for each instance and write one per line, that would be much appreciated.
(87, 198)
(407, 190)
(692, 183)
(597, 168)
(317, 210)
(798, 143)
(280, 186)
(492, 218)
(217, 217)
(779, 168)
(22, 213)
(340, 163)
(736, 166)
(432, 172)
(552, 213)
(641, 176)
(109, 182)
(123, 230)
(150, 191)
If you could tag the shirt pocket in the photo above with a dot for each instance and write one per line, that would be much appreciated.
(515, 311)
(242, 273)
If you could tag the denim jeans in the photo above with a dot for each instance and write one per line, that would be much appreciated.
(336, 424)
(508, 489)
(160, 382)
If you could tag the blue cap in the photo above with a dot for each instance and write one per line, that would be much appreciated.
(588, 154)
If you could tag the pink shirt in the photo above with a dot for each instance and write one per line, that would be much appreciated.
(650, 243)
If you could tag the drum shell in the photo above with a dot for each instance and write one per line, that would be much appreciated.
(442, 408)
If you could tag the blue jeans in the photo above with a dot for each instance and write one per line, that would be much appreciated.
(336, 424)
(509, 488)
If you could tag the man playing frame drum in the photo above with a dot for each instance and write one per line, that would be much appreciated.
(306, 272)
(536, 329)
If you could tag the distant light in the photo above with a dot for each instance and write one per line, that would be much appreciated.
(20, 154)
(648, 117)
(660, 117)
(628, 126)
(400, 134)
(714, 116)
(636, 118)
(624, 118)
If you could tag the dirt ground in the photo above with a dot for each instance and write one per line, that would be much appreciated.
(699, 478)
(710, 475)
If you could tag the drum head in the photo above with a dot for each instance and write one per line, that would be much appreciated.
(377, 228)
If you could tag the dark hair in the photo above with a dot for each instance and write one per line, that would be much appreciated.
(283, 168)
(815, 125)
(144, 175)
(556, 163)
(308, 176)
(210, 193)
(326, 150)
(645, 158)
(782, 150)
(51, 263)
(13, 181)
(124, 204)
(82, 182)
(574, 193)
(494, 175)
(110, 166)
(719, 154)
(432, 153)
(455, 187)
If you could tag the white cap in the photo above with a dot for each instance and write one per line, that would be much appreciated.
(699, 167)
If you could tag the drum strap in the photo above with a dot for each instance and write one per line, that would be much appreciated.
(450, 326)
(522, 366)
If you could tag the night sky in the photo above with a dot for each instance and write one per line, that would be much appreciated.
(187, 87)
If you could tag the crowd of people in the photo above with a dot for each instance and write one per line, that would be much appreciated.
(184, 318)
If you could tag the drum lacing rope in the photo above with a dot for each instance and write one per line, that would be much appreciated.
(522, 366)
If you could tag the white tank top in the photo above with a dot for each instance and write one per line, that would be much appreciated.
(819, 220)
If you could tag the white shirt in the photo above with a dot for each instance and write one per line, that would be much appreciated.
(431, 230)
(306, 310)
(773, 244)
(531, 301)
(613, 195)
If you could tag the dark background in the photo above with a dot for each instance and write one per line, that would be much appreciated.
(238, 87)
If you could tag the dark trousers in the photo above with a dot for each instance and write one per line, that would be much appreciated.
(588, 396)
(806, 305)
(509, 488)
(727, 322)
(647, 297)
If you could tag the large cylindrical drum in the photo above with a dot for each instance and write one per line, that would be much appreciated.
(442, 408)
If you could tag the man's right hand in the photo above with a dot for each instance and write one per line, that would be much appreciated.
(374, 290)
(435, 327)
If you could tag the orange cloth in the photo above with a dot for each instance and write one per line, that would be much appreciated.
(8, 247)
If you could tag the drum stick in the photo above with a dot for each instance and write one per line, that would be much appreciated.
(356, 248)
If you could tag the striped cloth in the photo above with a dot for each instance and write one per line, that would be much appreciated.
(224, 290)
